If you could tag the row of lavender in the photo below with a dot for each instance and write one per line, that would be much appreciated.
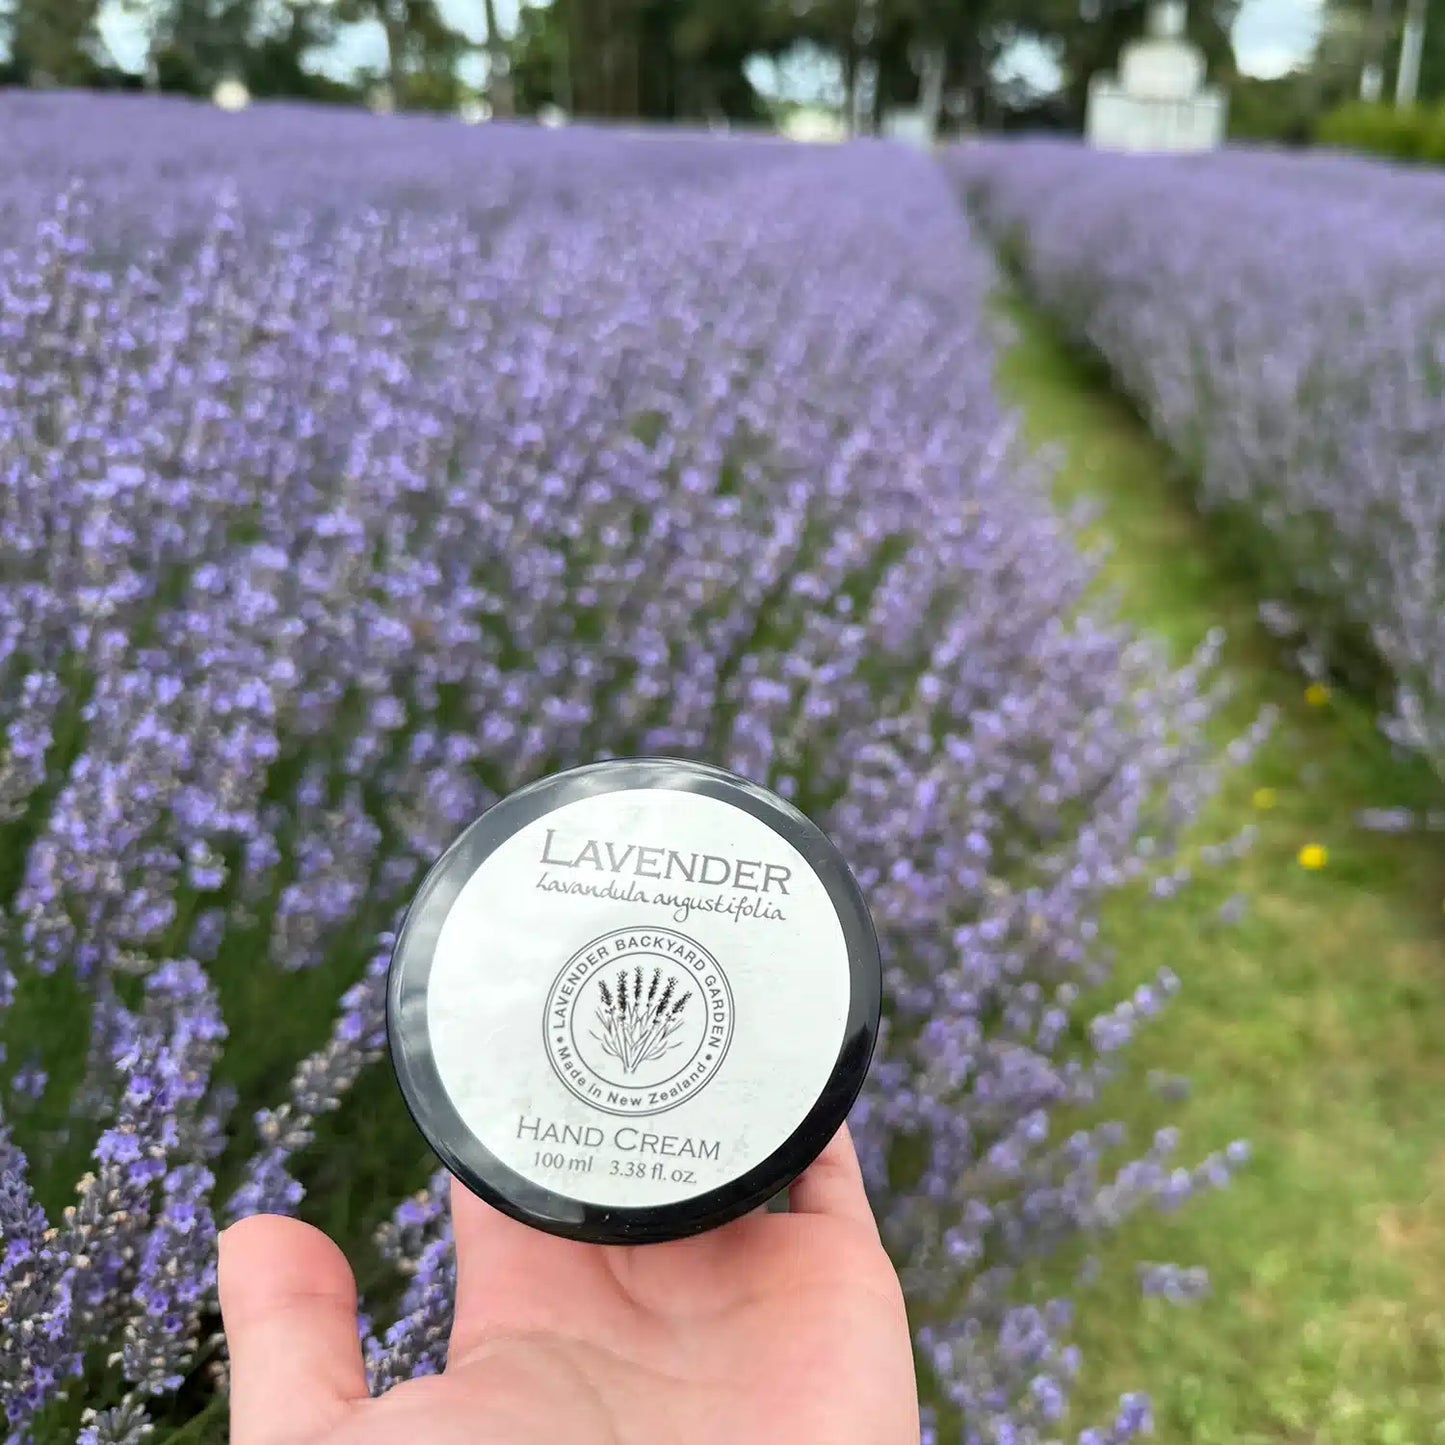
(402, 462)
(1281, 322)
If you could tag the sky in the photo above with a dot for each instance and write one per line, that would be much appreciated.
(1270, 36)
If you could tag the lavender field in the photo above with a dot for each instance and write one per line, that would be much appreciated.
(357, 470)
(1280, 322)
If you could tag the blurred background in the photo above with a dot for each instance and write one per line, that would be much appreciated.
(1296, 70)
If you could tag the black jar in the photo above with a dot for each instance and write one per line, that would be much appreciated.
(634, 1001)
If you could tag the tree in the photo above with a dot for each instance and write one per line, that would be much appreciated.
(848, 30)
(656, 59)
(54, 41)
(1430, 87)
(195, 43)
(1283, 110)
(499, 77)
(1366, 35)
(907, 52)
(275, 63)
(420, 47)
(265, 43)
(966, 42)
(1378, 34)
(1340, 53)
(711, 42)
(602, 48)
(538, 60)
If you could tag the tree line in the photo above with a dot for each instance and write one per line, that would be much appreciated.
(647, 59)
(687, 60)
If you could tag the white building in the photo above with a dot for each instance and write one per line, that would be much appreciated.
(1158, 101)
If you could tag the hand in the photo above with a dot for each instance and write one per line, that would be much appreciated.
(785, 1328)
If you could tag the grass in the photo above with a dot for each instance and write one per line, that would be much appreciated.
(1314, 1027)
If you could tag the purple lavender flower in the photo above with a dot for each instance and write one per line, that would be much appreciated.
(413, 461)
(418, 1241)
(1278, 320)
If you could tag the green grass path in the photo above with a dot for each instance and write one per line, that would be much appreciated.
(1315, 1027)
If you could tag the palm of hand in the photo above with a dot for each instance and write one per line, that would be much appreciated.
(783, 1327)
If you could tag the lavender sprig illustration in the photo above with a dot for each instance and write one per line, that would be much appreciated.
(639, 1027)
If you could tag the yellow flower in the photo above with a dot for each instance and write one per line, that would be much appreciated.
(1313, 855)
(1317, 694)
(1264, 798)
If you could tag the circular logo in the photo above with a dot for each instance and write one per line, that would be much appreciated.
(638, 1020)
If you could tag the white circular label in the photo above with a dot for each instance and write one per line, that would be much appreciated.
(638, 997)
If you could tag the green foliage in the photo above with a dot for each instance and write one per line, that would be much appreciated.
(1311, 1026)
(195, 43)
(275, 69)
(1415, 133)
(539, 59)
(435, 88)
(1285, 110)
(421, 48)
(54, 42)
(178, 73)
(656, 59)
(651, 59)
(1432, 56)
(273, 65)
(1356, 29)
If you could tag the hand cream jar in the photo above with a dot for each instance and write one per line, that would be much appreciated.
(634, 1001)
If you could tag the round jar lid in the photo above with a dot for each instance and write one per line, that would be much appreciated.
(634, 1001)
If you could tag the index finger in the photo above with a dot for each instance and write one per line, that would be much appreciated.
(833, 1185)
